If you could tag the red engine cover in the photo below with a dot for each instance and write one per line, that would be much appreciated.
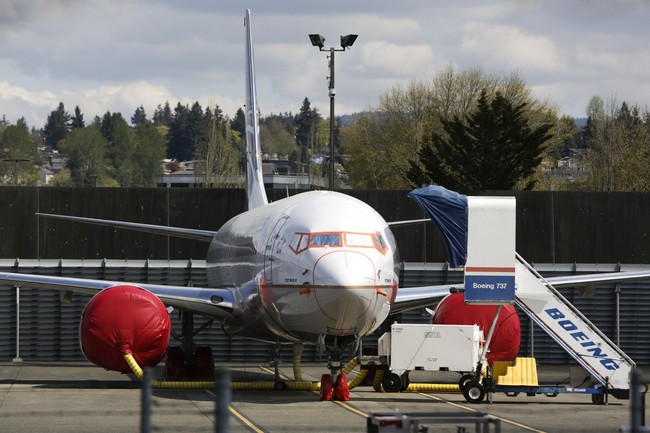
(452, 310)
(124, 319)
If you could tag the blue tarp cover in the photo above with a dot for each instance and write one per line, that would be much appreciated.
(448, 210)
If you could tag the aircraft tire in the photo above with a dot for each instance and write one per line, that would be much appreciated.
(175, 367)
(203, 363)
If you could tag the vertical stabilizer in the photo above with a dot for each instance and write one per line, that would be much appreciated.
(254, 181)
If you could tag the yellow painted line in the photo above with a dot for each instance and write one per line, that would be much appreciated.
(350, 408)
(460, 406)
(241, 417)
(245, 420)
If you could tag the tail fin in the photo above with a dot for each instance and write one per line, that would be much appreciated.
(254, 181)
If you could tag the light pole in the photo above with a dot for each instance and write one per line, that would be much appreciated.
(346, 42)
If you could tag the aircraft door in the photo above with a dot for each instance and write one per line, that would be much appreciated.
(272, 248)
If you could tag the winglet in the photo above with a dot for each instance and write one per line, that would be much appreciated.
(255, 192)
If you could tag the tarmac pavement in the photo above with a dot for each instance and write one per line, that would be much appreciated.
(78, 397)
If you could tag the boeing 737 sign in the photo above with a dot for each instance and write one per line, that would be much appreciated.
(490, 269)
(489, 285)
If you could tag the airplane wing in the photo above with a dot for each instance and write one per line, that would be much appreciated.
(409, 298)
(215, 303)
(201, 235)
(597, 279)
(408, 222)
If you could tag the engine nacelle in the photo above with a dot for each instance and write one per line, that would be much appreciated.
(506, 340)
(124, 319)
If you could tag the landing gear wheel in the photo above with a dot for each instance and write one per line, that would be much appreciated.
(391, 382)
(175, 367)
(203, 363)
(473, 391)
(326, 387)
(464, 379)
(280, 386)
(405, 382)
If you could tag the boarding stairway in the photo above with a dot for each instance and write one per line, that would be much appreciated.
(581, 339)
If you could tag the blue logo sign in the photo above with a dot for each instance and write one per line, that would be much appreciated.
(490, 289)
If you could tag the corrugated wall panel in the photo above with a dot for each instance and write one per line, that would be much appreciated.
(49, 328)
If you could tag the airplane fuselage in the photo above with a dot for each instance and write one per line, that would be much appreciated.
(317, 266)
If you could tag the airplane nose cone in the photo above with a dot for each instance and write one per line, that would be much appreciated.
(344, 284)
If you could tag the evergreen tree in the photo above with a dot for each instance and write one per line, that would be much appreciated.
(238, 123)
(109, 123)
(195, 131)
(307, 122)
(217, 157)
(57, 126)
(163, 115)
(77, 120)
(139, 116)
(177, 135)
(495, 149)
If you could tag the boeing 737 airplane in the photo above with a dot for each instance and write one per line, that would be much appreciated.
(317, 268)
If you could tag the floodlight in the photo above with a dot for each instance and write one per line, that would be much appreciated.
(348, 40)
(317, 41)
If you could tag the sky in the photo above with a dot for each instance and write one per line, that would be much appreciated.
(117, 55)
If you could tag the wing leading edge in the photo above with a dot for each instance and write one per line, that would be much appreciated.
(200, 235)
(215, 303)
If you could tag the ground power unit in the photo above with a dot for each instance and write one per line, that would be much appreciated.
(431, 347)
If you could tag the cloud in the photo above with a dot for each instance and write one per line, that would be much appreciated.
(95, 52)
(510, 48)
(400, 61)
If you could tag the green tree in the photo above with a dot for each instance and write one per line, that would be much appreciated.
(139, 116)
(618, 148)
(77, 120)
(163, 115)
(85, 150)
(185, 131)
(219, 159)
(405, 118)
(150, 149)
(494, 149)
(18, 155)
(238, 128)
(307, 122)
(277, 135)
(57, 126)
(122, 153)
(238, 123)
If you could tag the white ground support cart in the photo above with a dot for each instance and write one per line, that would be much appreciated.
(427, 347)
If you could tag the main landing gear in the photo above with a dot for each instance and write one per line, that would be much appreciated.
(189, 361)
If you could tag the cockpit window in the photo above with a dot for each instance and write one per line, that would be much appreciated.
(325, 240)
(358, 240)
(301, 241)
(380, 244)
